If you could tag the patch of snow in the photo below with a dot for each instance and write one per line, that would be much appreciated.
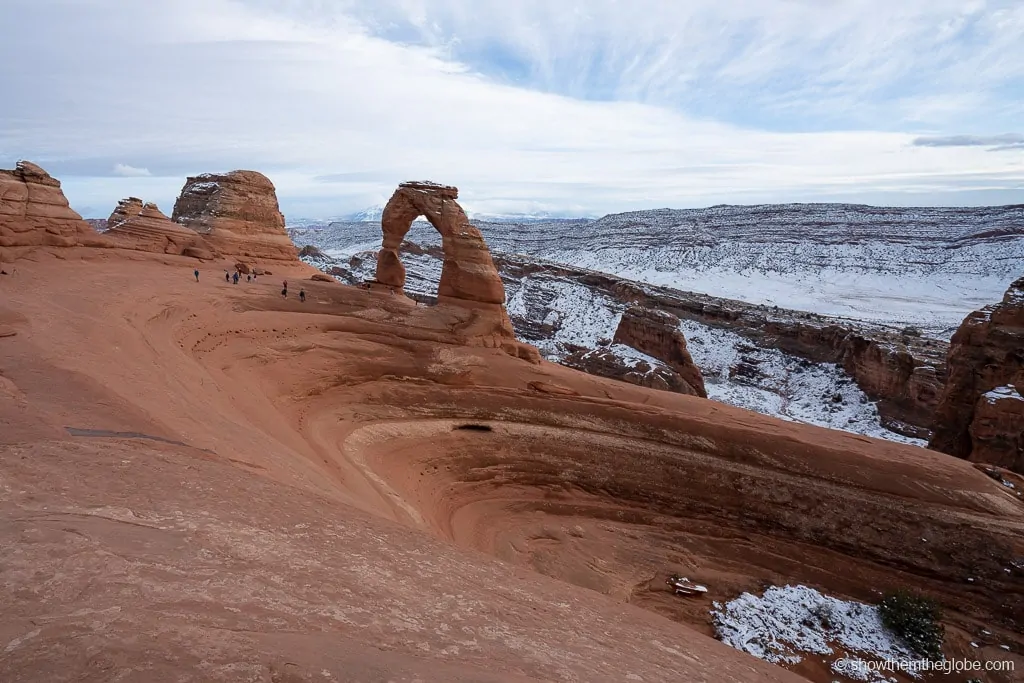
(576, 313)
(347, 252)
(769, 381)
(1001, 393)
(632, 358)
(790, 622)
(207, 186)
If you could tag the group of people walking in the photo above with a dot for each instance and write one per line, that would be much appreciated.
(284, 291)
(251, 277)
(228, 277)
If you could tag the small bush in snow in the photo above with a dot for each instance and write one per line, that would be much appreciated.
(915, 619)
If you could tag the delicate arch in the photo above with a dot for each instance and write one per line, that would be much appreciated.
(468, 274)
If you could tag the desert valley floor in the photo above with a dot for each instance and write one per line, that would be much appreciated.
(206, 481)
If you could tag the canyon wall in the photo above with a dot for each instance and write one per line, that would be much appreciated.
(981, 412)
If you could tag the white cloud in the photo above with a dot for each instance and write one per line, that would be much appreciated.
(126, 171)
(336, 116)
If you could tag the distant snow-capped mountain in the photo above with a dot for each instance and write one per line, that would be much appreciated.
(542, 217)
(367, 215)
(374, 214)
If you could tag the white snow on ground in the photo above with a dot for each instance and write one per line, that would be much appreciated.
(935, 302)
(350, 250)
(632, 358)
(790, 622)
(1001, 393)
(782, 385)
(579, 314)
(203, 187)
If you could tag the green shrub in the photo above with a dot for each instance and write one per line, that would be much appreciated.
(916, 620)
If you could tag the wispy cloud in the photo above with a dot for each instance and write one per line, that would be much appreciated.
(126, 171)
(596, 105)
(997, 143)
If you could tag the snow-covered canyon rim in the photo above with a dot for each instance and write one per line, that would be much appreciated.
(928, 267)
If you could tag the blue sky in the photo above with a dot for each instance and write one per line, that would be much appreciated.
(574, 108)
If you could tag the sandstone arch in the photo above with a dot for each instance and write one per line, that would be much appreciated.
(468, 274)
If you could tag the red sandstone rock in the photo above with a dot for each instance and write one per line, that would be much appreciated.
(35, 213)
(469, 278)
(237, 214)
(469, 274)
(981, 413)
(320, 277)
(604, 363)
(657, 334)
(145, 228)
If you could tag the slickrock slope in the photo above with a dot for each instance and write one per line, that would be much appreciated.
(237, 214)
(145, 227)
(206, 481)
(35, 213)
(981, 413)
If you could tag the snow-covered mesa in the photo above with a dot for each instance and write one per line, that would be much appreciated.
(928, 267)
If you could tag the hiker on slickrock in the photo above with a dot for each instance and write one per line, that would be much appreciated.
(196, 273)
(302, 295)
(284, 290)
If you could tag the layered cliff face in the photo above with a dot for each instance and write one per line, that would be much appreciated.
(35, 213)
(657, 334)
(142, 226)
(237, 214)
(981, 413)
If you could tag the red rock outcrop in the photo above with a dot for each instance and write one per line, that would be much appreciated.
(656, 333)
(35, 213)
(981, 412)
(603, 362)
(469, 278)
(468, 274)
(237, 214)
(145, 228)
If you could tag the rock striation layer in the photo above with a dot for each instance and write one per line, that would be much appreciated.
(981, 413)
(142, 226)
(657, 334)
(237, 214)
(35, 213)
(468, 274)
